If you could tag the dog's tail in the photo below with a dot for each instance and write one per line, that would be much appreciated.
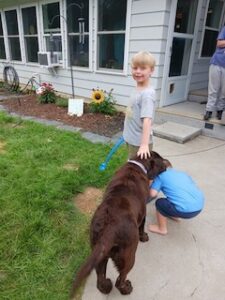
(99, 252)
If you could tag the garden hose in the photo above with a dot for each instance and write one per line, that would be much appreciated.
(11, 78)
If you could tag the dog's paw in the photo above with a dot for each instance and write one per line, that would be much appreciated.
(105, 286)
(125, 288)
(144, 237)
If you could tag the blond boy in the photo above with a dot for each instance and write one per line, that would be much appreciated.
(140, 113)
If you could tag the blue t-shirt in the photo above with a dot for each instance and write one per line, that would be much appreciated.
(218, 57)
(180, 189)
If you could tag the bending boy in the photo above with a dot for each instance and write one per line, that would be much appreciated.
(183, 198)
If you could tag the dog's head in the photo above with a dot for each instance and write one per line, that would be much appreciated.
(154, 164)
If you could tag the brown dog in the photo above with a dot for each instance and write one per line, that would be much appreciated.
(118, 223)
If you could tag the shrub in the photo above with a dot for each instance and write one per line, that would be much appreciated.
(103, 102)
(61, 102)
(46, 93)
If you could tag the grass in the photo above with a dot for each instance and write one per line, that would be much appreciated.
(43, 237)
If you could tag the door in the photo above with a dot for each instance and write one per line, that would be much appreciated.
(180, 52)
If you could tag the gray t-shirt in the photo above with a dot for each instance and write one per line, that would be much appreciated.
(142, 105)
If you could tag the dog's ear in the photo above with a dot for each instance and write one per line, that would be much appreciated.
(156, 167)
(155, 155)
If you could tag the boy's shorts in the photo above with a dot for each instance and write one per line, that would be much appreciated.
(168, 209)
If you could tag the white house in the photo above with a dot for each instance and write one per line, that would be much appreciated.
(99, 37)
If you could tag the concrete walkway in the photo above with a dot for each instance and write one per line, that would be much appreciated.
(188, 263)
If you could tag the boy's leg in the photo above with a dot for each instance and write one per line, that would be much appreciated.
(164, 209)
(161, 226)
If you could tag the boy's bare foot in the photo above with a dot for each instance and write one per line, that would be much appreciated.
(155, 228)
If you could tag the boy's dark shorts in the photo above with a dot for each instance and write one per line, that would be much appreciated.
(168, 209)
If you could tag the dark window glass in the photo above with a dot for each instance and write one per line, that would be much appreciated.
(1, 29)
(112, 15)
(214, 13)
(79, 51)
(2, 49)
(111, 51)
(51, 17)
(75, 11)
(14, 46)
(11, 21)
(32, 49)
(209, 43)
(185, 16)
(29, 20)
(179, 63)
(2, 42)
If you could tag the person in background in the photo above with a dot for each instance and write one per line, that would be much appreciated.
(137, 131)
(216, 87)
(183, 199)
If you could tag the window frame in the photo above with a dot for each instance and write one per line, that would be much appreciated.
(222, 19)
(26, 62)
(89, 68)
(62, 28)
(9, 56)
(126, 32)
(4, 35)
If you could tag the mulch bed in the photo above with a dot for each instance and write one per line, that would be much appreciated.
(93, 122)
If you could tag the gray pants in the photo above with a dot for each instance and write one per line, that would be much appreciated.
(216, 88)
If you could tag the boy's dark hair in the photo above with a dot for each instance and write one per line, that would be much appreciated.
(167, 163)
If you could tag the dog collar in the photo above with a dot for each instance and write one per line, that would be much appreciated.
(138, 164)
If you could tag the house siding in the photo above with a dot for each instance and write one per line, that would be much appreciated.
(148, 26)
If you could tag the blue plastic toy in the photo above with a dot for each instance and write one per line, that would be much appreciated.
(118, 143)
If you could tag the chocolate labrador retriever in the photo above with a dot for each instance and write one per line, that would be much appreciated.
(118, 223)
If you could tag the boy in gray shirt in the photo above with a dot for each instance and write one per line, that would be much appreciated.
(140, 113)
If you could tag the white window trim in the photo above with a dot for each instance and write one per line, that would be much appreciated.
(124, 71)
(36, 35)
(4, 36)
(222, 19)
(16, 8)
(67, 66)
(62, 27)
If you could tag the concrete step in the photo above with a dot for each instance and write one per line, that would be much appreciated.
(176, 132)
(199, 96)
(212, 128)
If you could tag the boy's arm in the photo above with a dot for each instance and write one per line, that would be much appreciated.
(220, 44)
(143, 150)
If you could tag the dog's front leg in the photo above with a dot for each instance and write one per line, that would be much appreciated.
(143, 236)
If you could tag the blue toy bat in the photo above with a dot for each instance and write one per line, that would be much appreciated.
(118, 143)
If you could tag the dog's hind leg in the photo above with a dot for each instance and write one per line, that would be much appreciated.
(143, 236)
(124, 262)
(103, 284)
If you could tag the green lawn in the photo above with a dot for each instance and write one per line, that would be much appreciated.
(43, 237)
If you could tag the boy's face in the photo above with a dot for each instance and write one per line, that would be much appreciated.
(142, 73)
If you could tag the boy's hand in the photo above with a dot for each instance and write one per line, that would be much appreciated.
(143, 151)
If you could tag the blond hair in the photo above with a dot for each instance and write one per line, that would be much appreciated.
(143, 58)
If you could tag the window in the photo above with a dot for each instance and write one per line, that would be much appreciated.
(2, 43)
(212, 27)
(13, 35)
(78, 32)
(111, 33)
(52, 27)
(30, 33)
